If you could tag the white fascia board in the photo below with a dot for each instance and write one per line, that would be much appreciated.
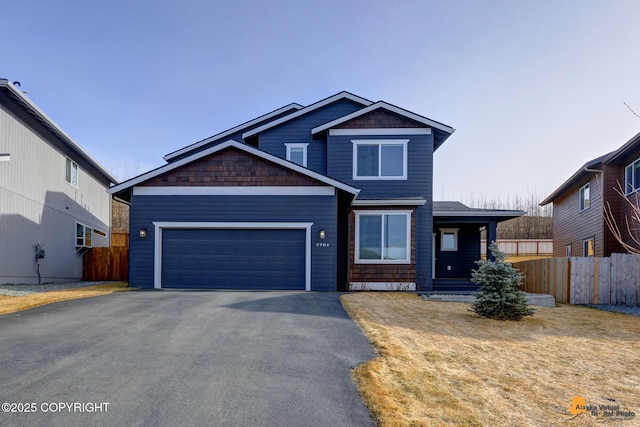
(66, 139)
(235, 191)
(231, 131)
(390, 202)
(310, 108)
(380, 132)
(478, 213)
(389, 107)
(244, 147)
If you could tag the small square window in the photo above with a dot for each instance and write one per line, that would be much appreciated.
(71, 172)
(449, 239)
(297, 153)
(567, 250)
(585, 197)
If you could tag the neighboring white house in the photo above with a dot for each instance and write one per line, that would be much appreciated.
(52, 192)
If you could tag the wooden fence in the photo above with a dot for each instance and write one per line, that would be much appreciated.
(106, 264)
(585, 280)
(523, 247)
(120, 239)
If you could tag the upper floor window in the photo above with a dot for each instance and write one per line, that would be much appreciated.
(632, 177)
(71, 174)
(380, 159)
(297, 153)
(567, 250)
(383, 237)
(585, 197)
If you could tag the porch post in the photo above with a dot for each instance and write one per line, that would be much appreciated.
(492, 233)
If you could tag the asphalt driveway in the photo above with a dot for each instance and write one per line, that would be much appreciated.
(180, 358)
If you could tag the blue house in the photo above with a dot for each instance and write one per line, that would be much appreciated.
(336, 195)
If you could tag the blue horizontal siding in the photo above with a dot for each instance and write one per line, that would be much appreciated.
(299, 130)
(419, 183)
(419, 180)
(321, 210)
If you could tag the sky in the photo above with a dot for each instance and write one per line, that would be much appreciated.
(534, 88)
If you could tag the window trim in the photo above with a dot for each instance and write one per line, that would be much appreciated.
(585, 248)
(455, 239)
(380, 143)
(86, 231)
(584, 202)
(631, 187)
(71, 164)
(359, 213)
(302, 145)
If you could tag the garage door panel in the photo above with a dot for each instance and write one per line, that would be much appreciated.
(233, 259)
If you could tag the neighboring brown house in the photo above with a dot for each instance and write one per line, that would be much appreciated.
(580, 204)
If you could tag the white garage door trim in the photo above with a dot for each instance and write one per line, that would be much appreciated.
(160, 226)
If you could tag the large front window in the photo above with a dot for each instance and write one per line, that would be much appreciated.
(380, 159)
(383, 237)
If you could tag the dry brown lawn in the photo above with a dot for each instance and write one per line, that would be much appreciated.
(9, 304)
(441, 365)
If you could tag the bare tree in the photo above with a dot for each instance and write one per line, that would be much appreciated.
(631, 222)
(536, 224)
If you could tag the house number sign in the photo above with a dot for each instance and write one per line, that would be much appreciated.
(322, 245)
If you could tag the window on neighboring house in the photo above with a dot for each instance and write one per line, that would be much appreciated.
(448, 239)
(585, 197)
(297, 153)
(588, 247)
(71, 175)
(83, 236)
(383, 237)
(380, 159)
(567, 250)
(632, 177)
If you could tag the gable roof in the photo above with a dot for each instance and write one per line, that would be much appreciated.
(631, 145)
(226, 133)
(389, 107)
(127, 185)
(33, 110)
(592, 166)
(595, 166)
(306, 110)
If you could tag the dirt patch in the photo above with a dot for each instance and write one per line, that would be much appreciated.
(441, 365)
(11, 304)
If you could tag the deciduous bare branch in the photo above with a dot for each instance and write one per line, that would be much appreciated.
(632, 222)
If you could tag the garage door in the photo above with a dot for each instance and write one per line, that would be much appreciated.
(245, 259)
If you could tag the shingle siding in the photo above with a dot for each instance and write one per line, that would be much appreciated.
(321, 210)
(231, 167)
